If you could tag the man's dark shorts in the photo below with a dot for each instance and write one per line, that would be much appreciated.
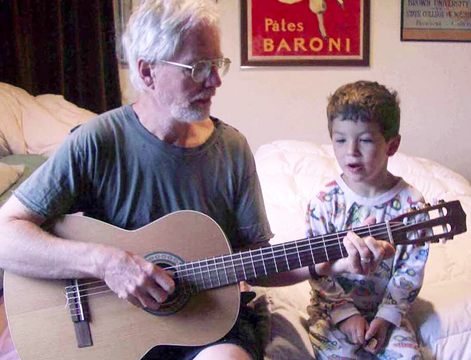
(242, 334)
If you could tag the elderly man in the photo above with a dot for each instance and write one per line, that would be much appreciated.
(137, 163)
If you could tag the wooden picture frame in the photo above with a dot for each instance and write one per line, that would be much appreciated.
(305, 32)
(122, 12)
(424, 20)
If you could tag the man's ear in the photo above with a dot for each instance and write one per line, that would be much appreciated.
(145, 72)
(393, 145)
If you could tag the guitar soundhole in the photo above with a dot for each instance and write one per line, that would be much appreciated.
(180, 297)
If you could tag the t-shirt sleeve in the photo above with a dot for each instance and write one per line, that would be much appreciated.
(54, 188)
(253, 225)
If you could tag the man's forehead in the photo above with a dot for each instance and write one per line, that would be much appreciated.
(201, 43)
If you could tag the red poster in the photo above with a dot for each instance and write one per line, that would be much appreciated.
(305, 32)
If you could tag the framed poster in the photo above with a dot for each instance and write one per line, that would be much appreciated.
(305, 32)
(123, 9)
(436, 20)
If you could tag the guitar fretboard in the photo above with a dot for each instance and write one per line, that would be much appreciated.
(247, 265)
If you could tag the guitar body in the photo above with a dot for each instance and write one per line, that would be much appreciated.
(40, 322)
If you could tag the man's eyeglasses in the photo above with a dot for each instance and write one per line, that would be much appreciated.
(201, 70)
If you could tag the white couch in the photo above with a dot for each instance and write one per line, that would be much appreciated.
(291, 172)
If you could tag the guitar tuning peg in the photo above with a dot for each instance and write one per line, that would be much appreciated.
(443, 240)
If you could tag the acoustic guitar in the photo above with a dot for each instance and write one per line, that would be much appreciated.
(83, 319)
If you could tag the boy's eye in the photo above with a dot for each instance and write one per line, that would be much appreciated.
(366, 140)
(339, 141)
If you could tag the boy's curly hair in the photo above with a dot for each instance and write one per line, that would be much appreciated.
(366, 101)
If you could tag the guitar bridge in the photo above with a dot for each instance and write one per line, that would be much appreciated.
(78, 307)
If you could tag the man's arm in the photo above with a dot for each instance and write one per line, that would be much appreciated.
(28, 250)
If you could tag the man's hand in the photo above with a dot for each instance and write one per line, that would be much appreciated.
(354, 328)
(137, 280)
(376, 335)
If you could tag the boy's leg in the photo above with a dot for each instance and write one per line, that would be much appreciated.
(329, 342)
(402, 344)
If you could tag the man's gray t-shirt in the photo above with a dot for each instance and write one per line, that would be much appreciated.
(112, 169)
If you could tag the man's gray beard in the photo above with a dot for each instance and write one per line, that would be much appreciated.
(189, 116)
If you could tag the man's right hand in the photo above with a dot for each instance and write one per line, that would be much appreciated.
(137, 280)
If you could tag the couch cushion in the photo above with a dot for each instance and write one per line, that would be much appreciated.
(9, 174)
(11, 134)
(35, 125)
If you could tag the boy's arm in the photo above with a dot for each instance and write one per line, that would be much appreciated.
(328, 296)
(405, 283)
(407, 273)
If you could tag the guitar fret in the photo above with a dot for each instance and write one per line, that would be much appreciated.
(286, 257)
(340, 242)
(258, 263)
(253, 265)
(194, 274)
(209, 273)
(263, 262)
(297, 252)
(292, 257)
(242, 264)
(325, 249)
(274, 260)
(233, 269)
(304, 253)
(221, 271)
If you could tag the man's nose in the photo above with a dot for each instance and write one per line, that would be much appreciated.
(213, 79)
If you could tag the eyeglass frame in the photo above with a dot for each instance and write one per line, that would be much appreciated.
(192, 67)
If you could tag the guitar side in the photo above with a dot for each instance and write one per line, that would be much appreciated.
(41, 325)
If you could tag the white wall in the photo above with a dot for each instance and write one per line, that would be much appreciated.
(433, 81)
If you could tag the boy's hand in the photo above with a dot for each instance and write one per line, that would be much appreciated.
(364, 255)
(355, 328)
(376, 335)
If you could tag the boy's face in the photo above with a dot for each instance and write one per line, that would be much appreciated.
(362, 153)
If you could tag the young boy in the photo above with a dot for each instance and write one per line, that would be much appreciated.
(356, 316)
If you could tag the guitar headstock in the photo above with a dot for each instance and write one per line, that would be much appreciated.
(429, 224)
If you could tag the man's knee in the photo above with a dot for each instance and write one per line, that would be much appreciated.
(224, 351)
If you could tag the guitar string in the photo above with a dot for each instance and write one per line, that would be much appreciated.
(233, 257)
(335, 238)
(79, 312)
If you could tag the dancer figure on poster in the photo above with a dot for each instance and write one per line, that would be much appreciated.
(318, 7)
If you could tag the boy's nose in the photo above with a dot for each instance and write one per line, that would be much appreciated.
(353, 148)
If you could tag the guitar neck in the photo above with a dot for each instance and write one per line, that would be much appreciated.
(248, 265)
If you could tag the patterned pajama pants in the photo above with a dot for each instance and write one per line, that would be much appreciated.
(330, 343)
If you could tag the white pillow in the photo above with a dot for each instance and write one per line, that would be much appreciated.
(9, 174)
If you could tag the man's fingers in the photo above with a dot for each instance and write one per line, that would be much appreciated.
(163, 279)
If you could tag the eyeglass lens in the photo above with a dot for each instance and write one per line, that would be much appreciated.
(202, 69)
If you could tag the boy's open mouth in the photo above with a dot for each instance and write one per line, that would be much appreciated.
(355, 167)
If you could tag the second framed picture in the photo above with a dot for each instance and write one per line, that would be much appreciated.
(305, 32)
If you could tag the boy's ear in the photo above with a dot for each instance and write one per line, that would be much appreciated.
(393, 145)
